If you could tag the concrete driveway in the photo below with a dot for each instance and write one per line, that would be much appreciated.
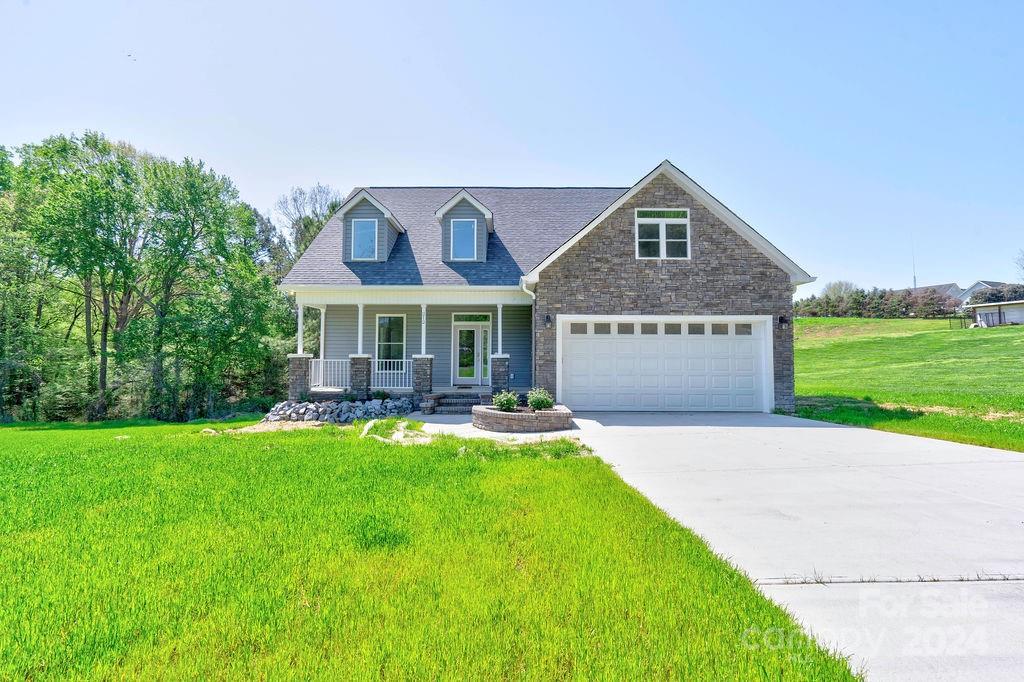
(905, 553)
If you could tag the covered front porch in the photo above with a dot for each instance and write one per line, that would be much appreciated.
(423, 348)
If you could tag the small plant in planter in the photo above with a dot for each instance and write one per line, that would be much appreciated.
(506, 401)
(539, 399)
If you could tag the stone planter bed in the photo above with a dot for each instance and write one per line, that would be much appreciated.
(523, 420)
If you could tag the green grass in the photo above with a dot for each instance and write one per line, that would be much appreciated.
(158, 551)
(914, 376)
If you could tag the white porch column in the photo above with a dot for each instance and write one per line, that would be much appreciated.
(500, 334)
(323, 327)
(359, 329)
(298, 336)
(423, 329)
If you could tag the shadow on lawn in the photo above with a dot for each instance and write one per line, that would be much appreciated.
(122, 423)
(846, 410)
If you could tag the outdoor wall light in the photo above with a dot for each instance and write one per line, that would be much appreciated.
(547, 322)
(783, 322)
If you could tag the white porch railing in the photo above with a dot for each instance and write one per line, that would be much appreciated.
(329, 374)
(391, 374)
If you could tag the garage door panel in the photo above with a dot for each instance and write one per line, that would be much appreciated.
(662, 371)
(721, 364)
(721, 381)
(743, 364)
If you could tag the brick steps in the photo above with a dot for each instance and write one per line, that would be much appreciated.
(452, 403)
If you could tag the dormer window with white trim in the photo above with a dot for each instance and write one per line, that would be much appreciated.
(364, 239)
(662, 233)
(463, 239)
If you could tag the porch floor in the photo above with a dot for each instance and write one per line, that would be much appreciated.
(471, 390)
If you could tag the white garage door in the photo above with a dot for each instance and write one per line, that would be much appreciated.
(640, 363)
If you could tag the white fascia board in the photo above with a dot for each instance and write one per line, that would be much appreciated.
(461, 195)
(991, 305)
(319, 294)
(797, 274)
(363, 194)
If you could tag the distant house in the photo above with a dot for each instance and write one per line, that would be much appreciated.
(980, 285)
(995, 314)
(950, 290)
(953, 290)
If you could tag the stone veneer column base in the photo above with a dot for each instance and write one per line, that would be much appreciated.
(359, 375)
(298, 375)
(422, 376)
(499, 372)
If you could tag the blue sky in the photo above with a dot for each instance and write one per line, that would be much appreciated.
(848, 135)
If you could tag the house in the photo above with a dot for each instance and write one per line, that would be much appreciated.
(995, 314)
(980, 285)
(650, 297)
(948, 290)
(953, 290)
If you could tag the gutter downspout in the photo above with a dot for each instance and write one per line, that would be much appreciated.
(533, 330)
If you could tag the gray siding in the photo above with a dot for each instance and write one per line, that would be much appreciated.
(386, 235)
(464, 210)
(341, 327)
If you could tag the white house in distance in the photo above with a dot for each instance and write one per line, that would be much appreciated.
(995, 314)
(953, 290)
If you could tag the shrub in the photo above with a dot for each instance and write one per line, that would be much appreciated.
(347, 397)
(380, 395)
(506, 401)
(539, 399)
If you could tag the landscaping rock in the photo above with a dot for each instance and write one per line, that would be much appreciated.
(339, 412)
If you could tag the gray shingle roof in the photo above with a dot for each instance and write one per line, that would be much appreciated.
(529, 223)
(949, 289)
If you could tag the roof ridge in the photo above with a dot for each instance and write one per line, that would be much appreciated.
(467, 187)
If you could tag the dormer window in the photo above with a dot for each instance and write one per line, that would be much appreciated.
(463, 239)
(364, 239)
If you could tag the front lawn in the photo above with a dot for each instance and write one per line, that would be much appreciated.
(158, 551)
(914, 376)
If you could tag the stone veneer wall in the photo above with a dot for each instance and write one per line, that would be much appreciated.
(422, 376)
(725, 275)
(298, 375)
(499, 373)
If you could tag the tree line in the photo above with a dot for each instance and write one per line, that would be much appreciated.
(134, 285)
(844, 299)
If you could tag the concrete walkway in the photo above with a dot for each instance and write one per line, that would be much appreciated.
(905, 553)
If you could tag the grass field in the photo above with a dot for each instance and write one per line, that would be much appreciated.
(914, 376)
(158, 551)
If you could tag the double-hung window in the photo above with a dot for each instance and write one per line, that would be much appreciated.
(463, 239)
(364, 239)
(662, 233)
(391, 337)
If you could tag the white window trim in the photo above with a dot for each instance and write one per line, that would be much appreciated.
(451, 238)
(487, 353)
(376, 333)
(662, 241)
(375, 245)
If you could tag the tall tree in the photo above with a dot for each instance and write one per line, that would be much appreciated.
(304, 212)
(89, 223)
(191, 211)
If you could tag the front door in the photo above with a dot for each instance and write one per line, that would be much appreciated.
(470, 359)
